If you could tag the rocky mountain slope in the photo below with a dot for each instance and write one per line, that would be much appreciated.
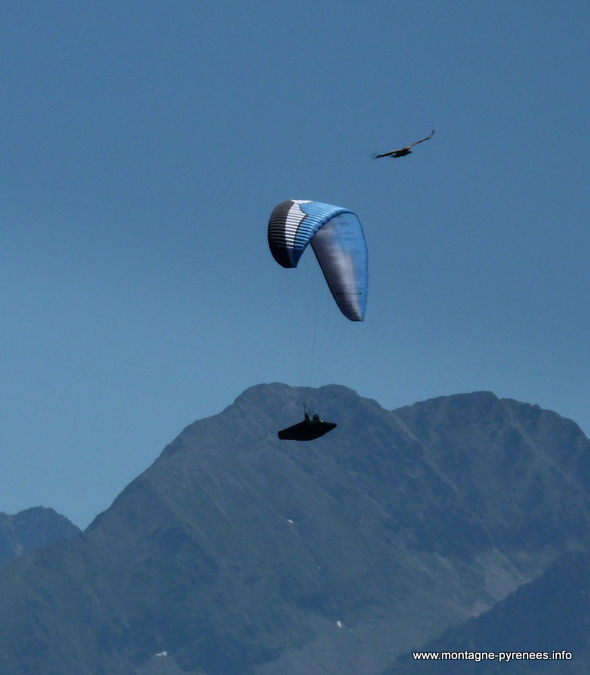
(542, 627)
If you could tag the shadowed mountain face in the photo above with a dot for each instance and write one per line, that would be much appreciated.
(238, 554)
(546, 621)
(30, 529)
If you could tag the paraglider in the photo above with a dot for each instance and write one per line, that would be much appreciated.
(402, 152)
(338, 241)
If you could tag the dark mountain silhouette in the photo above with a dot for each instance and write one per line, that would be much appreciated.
(238, 554)
(548, 616)
(30, 529)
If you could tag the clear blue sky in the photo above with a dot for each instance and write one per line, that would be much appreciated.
(143, 146)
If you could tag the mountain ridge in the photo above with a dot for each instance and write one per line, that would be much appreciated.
(235, 552)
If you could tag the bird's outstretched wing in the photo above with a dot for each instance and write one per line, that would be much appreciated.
(374, 155)
(402, 152)
(422, 140)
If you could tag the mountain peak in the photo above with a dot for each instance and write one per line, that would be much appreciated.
(30, 529)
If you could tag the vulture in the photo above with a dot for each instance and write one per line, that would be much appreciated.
(403, 151)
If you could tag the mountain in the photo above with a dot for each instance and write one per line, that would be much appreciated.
(30, 529)
(239, 554)
(548, 617)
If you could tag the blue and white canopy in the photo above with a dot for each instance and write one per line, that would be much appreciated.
(338, 241)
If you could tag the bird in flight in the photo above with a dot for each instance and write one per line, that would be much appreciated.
(403, 151)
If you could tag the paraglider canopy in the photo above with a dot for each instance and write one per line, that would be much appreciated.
(311, 428)
(338, 241)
